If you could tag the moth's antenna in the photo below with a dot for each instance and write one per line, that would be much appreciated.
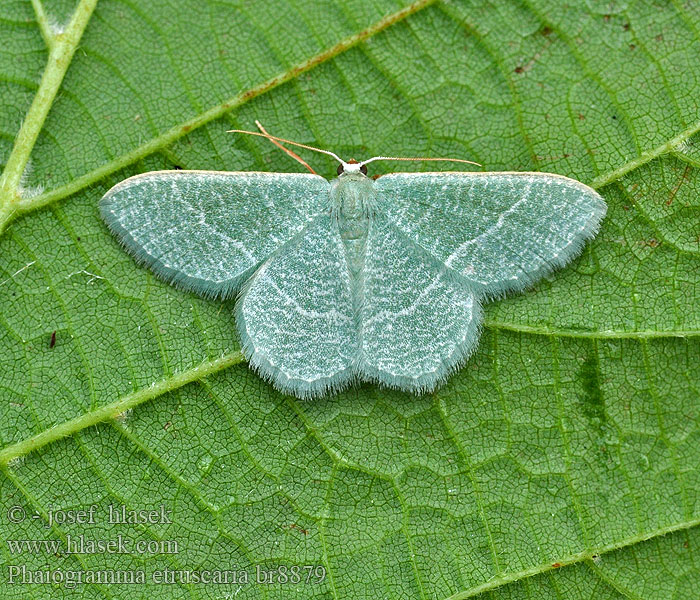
(459, 160)
(294, 155)
(279, 139)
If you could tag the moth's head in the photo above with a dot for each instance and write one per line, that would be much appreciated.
(352, 167)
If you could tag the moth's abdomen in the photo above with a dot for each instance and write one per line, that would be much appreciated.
(354, 235)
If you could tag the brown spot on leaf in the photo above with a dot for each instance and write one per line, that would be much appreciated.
(299, 529)
(674, 191)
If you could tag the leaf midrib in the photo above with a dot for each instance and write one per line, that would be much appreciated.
(584, 555)
(25, 205)
(61, 47)
(112, 411)
(161, 142)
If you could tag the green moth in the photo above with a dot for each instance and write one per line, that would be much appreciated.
(353, 279)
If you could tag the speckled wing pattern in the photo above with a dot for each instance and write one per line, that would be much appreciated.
(296, 316)
(419, 319)
(207, 231)
(501, 231)
(311, 320)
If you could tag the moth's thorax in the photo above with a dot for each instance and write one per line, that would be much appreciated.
(352, 196)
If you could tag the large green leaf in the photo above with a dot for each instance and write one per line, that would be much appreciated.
(561, 461)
